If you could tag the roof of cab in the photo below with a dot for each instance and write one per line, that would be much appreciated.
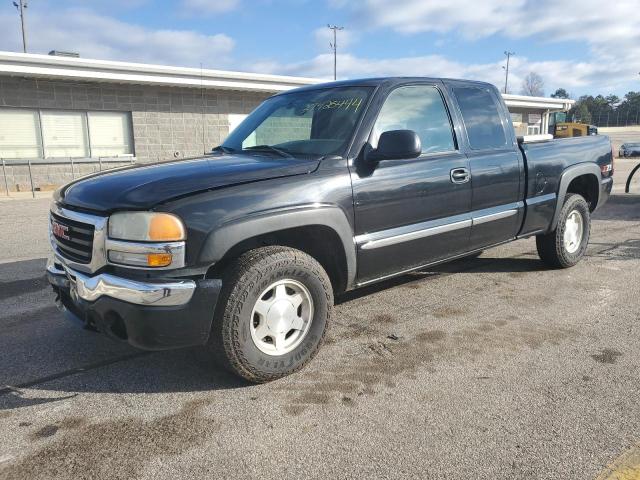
(377, 81)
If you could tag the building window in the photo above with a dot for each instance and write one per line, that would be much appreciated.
(110, 134)
(19, 134)
(64, 134)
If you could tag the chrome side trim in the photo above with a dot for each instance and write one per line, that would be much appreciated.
(370, 243)
(494, 216)
(176, 249)
(98, 256)
(393, 236)
(541, 199)
(90, 289)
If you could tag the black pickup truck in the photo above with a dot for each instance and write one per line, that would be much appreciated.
(320, 190)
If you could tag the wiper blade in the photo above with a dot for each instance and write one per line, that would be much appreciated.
(223, 149)
(269, 148)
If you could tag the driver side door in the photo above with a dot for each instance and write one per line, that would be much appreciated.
(411, 212)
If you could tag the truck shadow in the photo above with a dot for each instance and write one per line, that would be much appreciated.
(475, 265)
(187, 370)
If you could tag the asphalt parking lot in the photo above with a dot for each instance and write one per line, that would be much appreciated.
(489, 368)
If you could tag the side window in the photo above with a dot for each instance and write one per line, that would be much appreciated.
(481, 118)
(419, 108)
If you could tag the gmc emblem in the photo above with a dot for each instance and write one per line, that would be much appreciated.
(60, 230)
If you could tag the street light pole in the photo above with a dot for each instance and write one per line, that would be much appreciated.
(506, 76)
(334, 46)
(21, 8)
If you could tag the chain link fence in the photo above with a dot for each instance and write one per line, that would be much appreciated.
(628, 118)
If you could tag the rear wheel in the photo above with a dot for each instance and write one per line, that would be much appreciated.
(273, 313)
(567, 244)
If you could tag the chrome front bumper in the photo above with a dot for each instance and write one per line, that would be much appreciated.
(90, 289)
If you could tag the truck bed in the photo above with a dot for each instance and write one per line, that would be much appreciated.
(545, 161)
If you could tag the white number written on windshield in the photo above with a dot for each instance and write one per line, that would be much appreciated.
(346, 104)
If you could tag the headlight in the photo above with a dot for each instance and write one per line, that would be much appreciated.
(146, 227)
(146, 240)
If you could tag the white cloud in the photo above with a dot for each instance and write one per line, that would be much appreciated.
(589, 20)
(607, 30)
(351, 66)
(209, 7)
(97, 36)
(571, 75)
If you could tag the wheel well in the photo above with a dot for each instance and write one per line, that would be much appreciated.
(587, 186)
(319, 241)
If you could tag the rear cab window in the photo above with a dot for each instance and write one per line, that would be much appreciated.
(482, 118)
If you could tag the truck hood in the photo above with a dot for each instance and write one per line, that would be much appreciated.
(143, 186)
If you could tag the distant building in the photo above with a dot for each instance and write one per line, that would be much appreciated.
(61, 107)
(530, 115)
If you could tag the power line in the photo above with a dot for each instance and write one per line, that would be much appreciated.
(334, 47)
(506, 69)
(21, 7)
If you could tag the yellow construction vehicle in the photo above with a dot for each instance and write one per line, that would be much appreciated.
(573, 129)
(560, 128)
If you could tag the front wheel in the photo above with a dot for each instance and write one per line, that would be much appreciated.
(567, 244)
(273, 313)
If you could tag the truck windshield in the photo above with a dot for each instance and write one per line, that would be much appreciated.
(311, 122)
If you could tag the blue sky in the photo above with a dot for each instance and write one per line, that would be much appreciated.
(584, 46)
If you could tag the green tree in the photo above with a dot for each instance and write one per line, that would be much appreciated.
(560, 93)
(612, 100)
(607, 110)
(628, 110)
(582, 114)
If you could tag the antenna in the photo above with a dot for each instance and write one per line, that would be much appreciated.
(334, 47)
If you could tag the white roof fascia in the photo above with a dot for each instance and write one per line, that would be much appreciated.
(79, 69)
(538, 102)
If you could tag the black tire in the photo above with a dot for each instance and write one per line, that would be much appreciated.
(551, 247)
(244, 280)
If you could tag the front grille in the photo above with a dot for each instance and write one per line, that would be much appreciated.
(79, 246)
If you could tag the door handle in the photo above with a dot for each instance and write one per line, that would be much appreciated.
(460, 175)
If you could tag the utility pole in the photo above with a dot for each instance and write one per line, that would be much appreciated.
(21, 8)
(506, 69)
(334, 47)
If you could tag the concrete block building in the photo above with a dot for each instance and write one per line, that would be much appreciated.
(54, 109)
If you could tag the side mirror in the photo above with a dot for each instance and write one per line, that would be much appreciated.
(397, 145)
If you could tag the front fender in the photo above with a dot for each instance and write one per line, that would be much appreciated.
(226, 236)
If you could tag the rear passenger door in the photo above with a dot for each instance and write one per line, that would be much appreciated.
(496, 165)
